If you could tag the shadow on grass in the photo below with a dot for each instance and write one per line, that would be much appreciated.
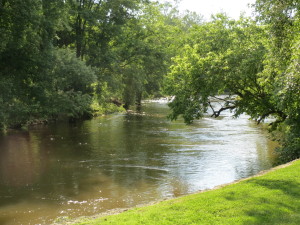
(282, 206)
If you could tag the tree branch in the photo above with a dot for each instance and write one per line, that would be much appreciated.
(217, 113)
(279, 113)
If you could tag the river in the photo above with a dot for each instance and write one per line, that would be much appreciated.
(122, 160)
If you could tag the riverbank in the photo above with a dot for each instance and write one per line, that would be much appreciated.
(271, 198)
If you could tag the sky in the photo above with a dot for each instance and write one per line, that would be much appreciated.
(233, 8)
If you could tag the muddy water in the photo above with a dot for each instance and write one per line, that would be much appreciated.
(120, 161)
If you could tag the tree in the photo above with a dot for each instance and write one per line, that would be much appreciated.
(31, 67)
(148, 43)
(68, 58)
(281, 70)
(223, 56)
(19, 52)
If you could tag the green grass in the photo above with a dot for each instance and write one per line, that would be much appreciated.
(273, 198)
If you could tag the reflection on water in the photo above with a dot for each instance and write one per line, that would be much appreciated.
(120, 161)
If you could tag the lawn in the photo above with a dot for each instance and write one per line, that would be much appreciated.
(273, 198)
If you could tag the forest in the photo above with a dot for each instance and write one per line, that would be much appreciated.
(73, 59)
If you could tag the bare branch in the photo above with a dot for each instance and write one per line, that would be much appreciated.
(212, 108)
(217, 113)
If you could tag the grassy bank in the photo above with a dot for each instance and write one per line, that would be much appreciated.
(273, 198)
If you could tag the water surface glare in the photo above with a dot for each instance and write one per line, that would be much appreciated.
(120, 161)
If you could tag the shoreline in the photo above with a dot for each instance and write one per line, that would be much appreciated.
(117, 211)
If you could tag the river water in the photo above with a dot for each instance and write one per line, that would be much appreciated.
(122, 160)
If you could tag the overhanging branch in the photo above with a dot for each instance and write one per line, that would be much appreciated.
(217, 113)
(278, 113)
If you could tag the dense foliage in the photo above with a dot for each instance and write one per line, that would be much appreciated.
(222, 56)
(77, 58)
(255, 63)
